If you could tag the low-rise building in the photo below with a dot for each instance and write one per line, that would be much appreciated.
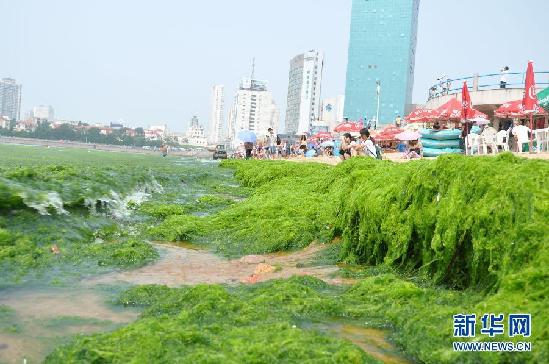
(195, 133)
(4, 122)
(26, 125)
(156, 132)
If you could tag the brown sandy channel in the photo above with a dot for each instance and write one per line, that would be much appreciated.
(188, 265)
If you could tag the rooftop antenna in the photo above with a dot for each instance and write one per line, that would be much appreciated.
(253, 68)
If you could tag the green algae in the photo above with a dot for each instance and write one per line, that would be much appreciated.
(462, 221)
(457, 222)
(55, 204)
(178, 228)
(131, 253)
(455, 235)
(206, 324)
(9, 322)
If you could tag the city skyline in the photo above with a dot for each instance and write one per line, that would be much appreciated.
(125, 70)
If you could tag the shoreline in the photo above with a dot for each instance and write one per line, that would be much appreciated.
(90, 146)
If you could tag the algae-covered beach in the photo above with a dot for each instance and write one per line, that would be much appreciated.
(115, 258)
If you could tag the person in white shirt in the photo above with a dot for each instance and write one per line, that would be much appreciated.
(503, 78)
(367, 146)
(271, 142)
(520, 132)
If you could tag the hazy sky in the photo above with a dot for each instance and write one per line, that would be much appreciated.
(149, 62)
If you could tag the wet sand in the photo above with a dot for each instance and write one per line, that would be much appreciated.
(191, 265)
(49, 317)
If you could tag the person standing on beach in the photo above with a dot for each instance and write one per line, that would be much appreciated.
(248, 146)
(164, 150)
(271, 143)
(398, 121)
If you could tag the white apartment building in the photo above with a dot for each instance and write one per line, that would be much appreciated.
(43, 113)
(216, 116)
(331, 113)
(304, 88)
(253, 109)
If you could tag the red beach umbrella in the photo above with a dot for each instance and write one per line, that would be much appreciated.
(421, 116)
(348, 127)
(466, 109)
(514, 109)
(466, 106)
(388, 133)
(510, 109)
(322, 135)
(530, 100)
(451, 110)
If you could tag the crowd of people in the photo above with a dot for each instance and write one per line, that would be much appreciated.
(345, 146)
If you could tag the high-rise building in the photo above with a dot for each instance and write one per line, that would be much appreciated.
(216, 117)
(382, 48)
(43, 113)
(10, 99)
(304, 87)
(253, 109)
(331, 113)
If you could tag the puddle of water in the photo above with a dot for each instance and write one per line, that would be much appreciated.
(50, 317)
(187, 264)
(372, 341)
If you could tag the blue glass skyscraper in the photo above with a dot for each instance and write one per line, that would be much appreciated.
(382, 48)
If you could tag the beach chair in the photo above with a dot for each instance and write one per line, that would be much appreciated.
(472, 144)
(502, 140)
(541, 136)
(488, 140)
